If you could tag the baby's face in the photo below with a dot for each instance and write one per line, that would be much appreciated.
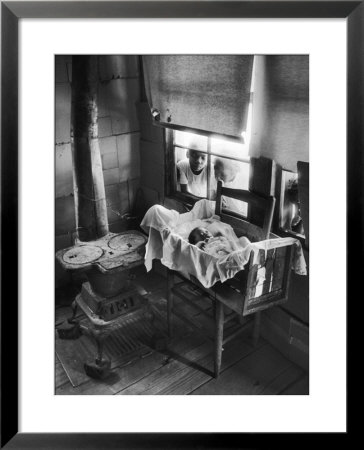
(202, 234)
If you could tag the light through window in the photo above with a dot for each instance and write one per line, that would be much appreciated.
(199, 160)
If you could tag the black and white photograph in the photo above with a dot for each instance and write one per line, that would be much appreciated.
(182, 224)
(166, 168)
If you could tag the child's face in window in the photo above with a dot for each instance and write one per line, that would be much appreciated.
(225, 174)
(219, 173)
(197, 159)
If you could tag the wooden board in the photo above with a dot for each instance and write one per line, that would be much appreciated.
(61, 377)
(191, 356)
(288, 378)
(258, 372)
(185, 374)
(298, 387)
(133, 370)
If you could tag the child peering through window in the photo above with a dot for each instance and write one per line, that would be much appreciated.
(193, 173)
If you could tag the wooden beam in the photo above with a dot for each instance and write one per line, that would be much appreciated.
(90, 200)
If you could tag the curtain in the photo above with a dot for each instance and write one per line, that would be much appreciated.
(202, 92)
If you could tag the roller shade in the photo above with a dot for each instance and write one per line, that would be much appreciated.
(203, 92)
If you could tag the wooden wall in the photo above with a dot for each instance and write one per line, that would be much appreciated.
(152, 157)
(119, 132)
(281, 109)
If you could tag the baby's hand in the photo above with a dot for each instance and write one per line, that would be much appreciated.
(201, 245)
(165, 232)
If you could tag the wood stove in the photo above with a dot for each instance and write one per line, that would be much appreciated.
(109, 295)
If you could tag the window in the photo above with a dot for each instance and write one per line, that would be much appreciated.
(199, 160)
(290, 219)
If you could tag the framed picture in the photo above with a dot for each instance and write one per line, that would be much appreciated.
(141, 427)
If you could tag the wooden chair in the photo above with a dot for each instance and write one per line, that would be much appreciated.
(238, 294)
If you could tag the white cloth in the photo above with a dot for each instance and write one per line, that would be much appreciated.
(176, 253)
(179, 255)
(196, 184)
(220, 246)
(157, 218)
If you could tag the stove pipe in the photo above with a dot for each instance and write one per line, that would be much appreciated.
(88, 179)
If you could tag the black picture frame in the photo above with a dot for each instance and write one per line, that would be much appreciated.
(11, 12)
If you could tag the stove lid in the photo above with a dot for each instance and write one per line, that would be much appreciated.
(112, 251)
(126, 242)
(82, 254)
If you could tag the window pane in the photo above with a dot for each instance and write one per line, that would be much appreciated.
(225, 147)
(181, 153)
(290, 215)
(190, 140)
(233, 174)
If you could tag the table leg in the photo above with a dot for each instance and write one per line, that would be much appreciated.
(219, 323)
(256, 329)
(170, 283)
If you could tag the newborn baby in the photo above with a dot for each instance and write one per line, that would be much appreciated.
(217, 245)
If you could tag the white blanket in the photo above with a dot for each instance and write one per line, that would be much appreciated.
(168, 232)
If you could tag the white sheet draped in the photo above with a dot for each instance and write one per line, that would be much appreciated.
(168, 231)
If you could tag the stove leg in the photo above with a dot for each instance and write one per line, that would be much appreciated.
(101, 368)
(74, 306)
(100, 349)
(71, 332)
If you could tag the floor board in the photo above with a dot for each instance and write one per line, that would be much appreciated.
(288, 376)
(185, 367)
(298, 387)
(60, 375)
(259, 372)
(191, 378)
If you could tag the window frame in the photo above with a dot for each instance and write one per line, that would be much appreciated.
(171, 174)
(188, 200)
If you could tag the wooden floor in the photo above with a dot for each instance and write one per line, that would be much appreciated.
(185, 367)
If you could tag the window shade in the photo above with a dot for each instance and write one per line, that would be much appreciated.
(203, 92)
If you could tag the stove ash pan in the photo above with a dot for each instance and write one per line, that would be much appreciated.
(106, 260)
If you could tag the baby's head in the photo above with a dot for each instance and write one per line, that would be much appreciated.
(199, 234)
